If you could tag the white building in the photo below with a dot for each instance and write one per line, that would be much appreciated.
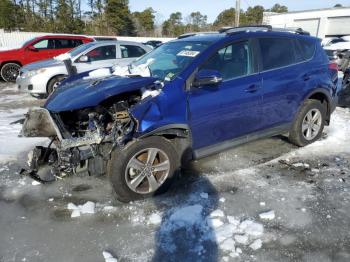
(320, 22)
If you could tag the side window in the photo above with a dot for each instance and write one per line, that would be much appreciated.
(231, 61)
(128, 51)
(306, 48)
(102, 53)
(277, 52)
(66, 43)
(44, 44)
(77, 42)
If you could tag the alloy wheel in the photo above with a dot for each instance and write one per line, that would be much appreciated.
(311, 124)
(9, 72)
(147, 170)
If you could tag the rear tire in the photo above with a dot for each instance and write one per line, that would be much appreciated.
(53, 83)
(309, 123)
(143, 168)
(10, 71)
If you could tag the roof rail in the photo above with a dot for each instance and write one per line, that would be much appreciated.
(233, 30)
(296, 30)
(195, 33)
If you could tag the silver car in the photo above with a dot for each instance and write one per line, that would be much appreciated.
(41, 78)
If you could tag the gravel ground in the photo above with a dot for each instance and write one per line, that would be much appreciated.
(264, 201)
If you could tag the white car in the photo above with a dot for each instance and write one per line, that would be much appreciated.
(41, 78)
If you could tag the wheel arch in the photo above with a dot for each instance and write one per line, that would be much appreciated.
(179, 135)
(10, 61)
(322, 96)
(52, 77)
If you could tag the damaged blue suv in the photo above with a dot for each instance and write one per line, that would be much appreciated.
(192, 97)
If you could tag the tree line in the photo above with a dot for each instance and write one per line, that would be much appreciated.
(113, 17)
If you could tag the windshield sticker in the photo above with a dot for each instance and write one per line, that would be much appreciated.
(169, 76)
(188, 53)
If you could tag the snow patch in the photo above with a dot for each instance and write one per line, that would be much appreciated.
(204, 195)
(108, 257)
(147, 93)
(269, 215)
(256, 244)
(242, 239)
(63, 57)
(154, 219)
(228, 245)
(222, 200)
(87, 208)
(99, 73)
(217, 213)
(36, 183)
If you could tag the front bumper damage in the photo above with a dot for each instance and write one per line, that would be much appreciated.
(67, 154)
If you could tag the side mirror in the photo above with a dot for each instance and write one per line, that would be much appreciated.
(83, 59)
(206, 77)
(32, 48)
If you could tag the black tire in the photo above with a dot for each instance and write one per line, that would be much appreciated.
(296, 134)
(119, 171)
(10, 71)
(51, 86)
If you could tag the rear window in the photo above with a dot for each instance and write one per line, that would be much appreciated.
(277, 52)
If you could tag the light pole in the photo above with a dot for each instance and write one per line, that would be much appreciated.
(237, 13)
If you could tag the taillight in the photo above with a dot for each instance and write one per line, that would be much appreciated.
(333, 66)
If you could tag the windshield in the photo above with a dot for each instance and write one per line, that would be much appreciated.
(168, 60)
(76, 51)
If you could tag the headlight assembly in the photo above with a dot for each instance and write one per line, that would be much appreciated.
(34, 72)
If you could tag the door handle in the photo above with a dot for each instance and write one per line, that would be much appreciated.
(252, 88)
(306, 77)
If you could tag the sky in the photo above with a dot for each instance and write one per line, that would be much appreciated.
(212, 8)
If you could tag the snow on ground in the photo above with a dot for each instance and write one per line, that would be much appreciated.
(10, 144)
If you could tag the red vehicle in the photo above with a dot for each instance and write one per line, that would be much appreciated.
(39, 48)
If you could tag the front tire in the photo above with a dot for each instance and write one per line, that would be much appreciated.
(142, 169)
(10, 71)
(54, 83)
(309, 123)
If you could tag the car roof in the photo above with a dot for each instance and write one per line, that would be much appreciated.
(65, 36)
(249, 31)
(113, 42)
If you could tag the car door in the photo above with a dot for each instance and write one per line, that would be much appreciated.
(40, 50)
(98, 57)
(231, 109)
(284, 80)
(128, 53)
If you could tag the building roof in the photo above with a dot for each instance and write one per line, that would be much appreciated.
(306, 11)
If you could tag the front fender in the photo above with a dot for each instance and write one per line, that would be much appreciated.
(150, 117)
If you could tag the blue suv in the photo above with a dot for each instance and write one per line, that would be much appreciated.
(189, 98)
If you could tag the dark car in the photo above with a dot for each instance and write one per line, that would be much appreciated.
(192, 97)
(153, 43)
(39, 48)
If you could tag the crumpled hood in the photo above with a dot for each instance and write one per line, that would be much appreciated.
(85, 93)
(41, 64)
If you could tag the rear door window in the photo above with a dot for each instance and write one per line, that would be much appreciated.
(67, 43)
(277, 52)
(128, 51)
(102, 53)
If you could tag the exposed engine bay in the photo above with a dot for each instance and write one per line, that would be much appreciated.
(81, 139)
